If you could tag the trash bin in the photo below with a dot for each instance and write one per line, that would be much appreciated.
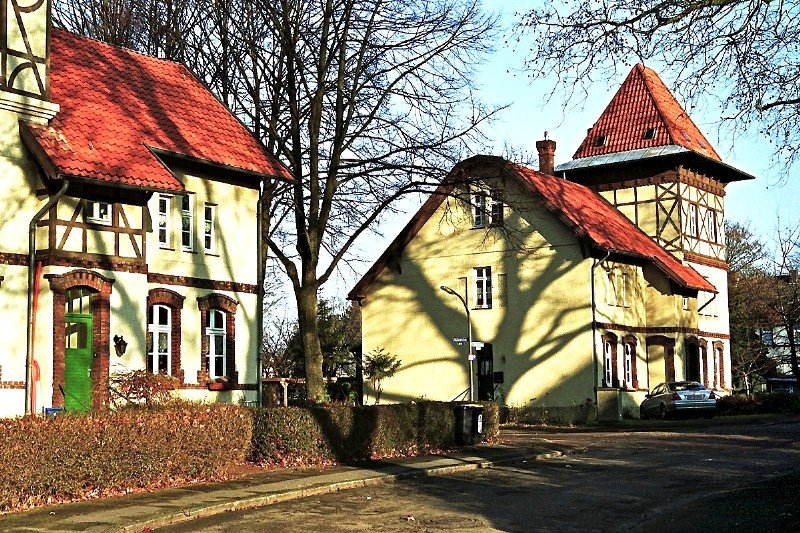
(469, 424)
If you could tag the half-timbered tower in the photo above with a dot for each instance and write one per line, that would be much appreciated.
(648, 158)
(128, 227)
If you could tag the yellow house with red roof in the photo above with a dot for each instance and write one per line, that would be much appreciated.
(580, 287)
(129, 227)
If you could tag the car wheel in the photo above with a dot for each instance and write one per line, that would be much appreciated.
(662, 412)
(642, 413)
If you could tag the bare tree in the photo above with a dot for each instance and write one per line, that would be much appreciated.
(363, 100)
(746, 50)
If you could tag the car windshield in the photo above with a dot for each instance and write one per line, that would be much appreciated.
(685, 385)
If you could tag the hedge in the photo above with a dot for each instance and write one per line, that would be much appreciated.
(340, 433)
(46, 459)
(761, 403)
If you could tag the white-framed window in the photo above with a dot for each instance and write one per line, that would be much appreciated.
(483, 287)
(159, 339)
(497, 209)
(98, 213)
(685, 303)
(623, 289)
(478, 209)
(164, 210)
(628, 362)
(187, 222)
(714, 229)
(216, 332)
(691, 223)
(719, 366)
(608, 364)
(611, 287)
(209, 228)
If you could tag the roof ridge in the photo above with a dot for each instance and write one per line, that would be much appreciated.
(122, 48)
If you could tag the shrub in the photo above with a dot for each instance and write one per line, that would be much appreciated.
(342, 433)
(762, 403)
(49, 459)
(140, 386)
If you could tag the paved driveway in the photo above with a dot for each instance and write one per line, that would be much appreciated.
(609, 481)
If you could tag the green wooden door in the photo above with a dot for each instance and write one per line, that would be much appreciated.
(78, 363)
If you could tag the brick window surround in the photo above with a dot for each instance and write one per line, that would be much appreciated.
(669, 353)
(631, 340)
(101, 312)
(719, 354)
(174, 301)
(228, 305)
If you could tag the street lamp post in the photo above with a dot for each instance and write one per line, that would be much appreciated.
(463, 300)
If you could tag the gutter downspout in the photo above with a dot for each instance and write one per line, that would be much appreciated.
(594, 331)
(260, 274)
(31, 282)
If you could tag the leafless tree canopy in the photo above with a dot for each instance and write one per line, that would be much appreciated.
(746, 51)
(363, 100)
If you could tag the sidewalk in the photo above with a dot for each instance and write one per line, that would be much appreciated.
(138, 512)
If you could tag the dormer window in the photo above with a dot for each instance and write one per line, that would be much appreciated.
(98, 213)
(600, 140)
(685, 136)
(649, 134)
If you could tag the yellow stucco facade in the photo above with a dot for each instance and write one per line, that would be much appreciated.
(556, 310)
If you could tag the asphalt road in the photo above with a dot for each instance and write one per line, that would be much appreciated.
(718, 478)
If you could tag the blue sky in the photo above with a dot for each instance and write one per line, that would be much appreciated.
(501, 81)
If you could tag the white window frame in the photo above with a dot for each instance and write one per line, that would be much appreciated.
(210, 228)
(94, 215)
(611, 287)
(483, 287)
(154, 328)
(628, 362)
(496, 209)
(719, 361)
(608, 361)
(164, 220)
(714, 227)
(212, 333)
(685, 303)
(187, 214)
(478, 201)
(692, 222)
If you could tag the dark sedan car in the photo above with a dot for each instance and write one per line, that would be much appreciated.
(685, 397)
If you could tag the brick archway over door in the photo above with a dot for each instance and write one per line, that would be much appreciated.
(101, 312)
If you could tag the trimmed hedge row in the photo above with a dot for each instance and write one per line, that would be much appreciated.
(46, 459)
(759, 404)
(340, 433)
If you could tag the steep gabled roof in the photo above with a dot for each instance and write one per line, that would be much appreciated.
(119, 108)
(583, 210)
(643, 103)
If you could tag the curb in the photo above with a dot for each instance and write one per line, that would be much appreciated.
(263, 501)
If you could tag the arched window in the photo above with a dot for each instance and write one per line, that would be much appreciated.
(159, 339)
(164, 332)
(610, 371)
(629, 362)
(217, 343)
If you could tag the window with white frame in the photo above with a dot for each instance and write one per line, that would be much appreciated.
(628, 362)
(608, 363)
(159, 339)
(714, 230)
(623, 289)
(483, 287)
(164, 205)
(478, 209)
(497, 209)
(216, 333)
(209, 228)
(187, 222)
(98, 213)
(685, 303)
(611, 287)
(691, 223)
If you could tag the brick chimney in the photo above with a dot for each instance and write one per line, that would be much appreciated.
(547, 152)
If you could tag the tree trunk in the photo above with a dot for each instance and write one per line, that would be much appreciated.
(306, 297)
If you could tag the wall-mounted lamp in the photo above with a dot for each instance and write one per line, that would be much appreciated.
(120, 345)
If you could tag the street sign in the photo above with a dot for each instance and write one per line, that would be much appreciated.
(477, 344)
(459, 339)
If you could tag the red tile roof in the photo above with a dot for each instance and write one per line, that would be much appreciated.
(643, 102)
(116, 104)
(592, 216)
(587, 213)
